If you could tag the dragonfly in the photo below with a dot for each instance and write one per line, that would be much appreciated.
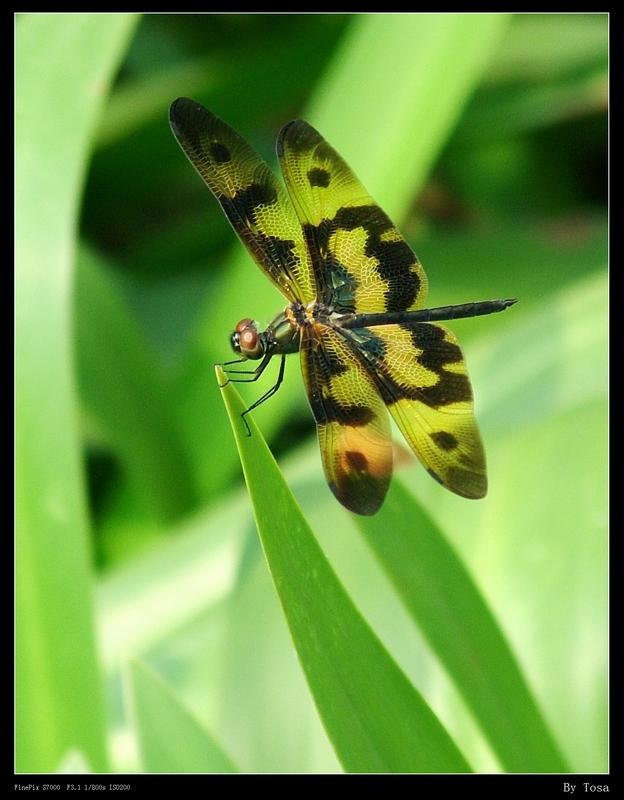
(356, 313)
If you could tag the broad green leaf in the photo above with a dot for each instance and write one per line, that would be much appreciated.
(550, 571)
(520, 257)
(64, 64)
(378, 601)
(246, 688)
(540, 47)
(448, 607)
(374, 717)
(74, 763)
(390, 117)
(143, 602)
(505, 111)
(541, 392)
(170, 738)
(548, 358)
(210, 78)
(545, 416)
(388, 102)
(252, 81)
(133, 105)
(123, 388)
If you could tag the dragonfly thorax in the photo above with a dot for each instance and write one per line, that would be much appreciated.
(280, 337)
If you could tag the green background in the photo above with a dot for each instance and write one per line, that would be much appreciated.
(149, 635)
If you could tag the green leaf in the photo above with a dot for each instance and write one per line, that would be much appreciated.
(547, 358)
(74, 763)
(64, 65)
(144, 601)
(550, 572)
(505, 111)
(170, 738)
(211, 79)
(538, 542)
(512, 257)
(375, 718)
(124, 390)
(544, 389)
(540, 47)
(448, 607)
(273, 679)
(390, 117)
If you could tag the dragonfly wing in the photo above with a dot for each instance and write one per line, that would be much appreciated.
(421, 375)
(361, 262)
(255, 202)
(352, 422)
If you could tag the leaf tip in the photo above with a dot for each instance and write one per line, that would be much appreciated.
(220, 375)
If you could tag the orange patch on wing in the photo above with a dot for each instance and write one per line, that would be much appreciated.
(362, 449)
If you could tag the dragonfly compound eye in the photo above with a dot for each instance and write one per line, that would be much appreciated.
(244, 323)
(250, 342)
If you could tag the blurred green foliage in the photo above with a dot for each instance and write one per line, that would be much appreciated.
(485, 137)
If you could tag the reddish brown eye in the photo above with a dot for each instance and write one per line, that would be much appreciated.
(248, 339)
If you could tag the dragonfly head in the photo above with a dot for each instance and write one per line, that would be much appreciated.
(248, 340)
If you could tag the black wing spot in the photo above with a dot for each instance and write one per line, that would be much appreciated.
(374, 221)
(450, 388)
(333, 364)
(328, 409)
(357, 460)
(435, 349)
(219, 153)
(395, 258)
(444, 439)
(436, 353)
(245, 201)
(319, 177)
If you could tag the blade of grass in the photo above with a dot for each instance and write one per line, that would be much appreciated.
(205, 78)
(446, 604)
(374, 717)
(432, 62)
(505, 111)
(512, 258)
(544, 400)
(254, 623)
(170, 738)
(539, 47)
(64, 64)
(541, 386)
(146, 600)
(123, 388)
(550, 572)
(549, 357)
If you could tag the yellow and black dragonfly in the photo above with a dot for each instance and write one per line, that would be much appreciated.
(356, 295)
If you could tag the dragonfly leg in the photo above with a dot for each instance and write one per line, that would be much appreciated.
(257, 372)
(266, 395)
